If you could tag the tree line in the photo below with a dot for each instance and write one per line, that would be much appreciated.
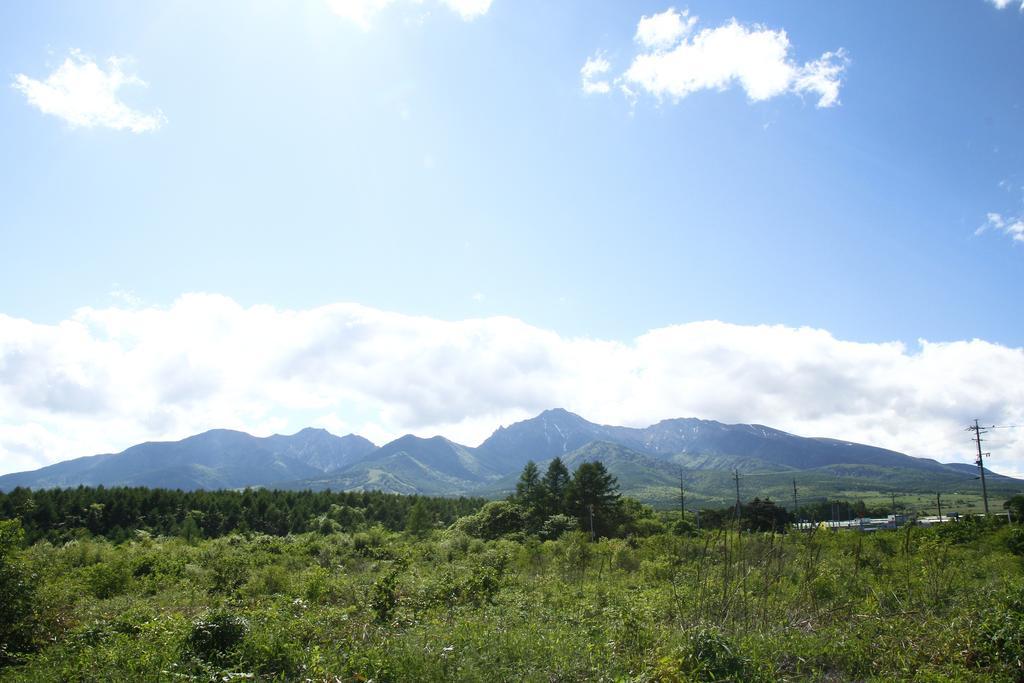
(117, 512)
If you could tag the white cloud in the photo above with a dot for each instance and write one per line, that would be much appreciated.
(85, 95)
(593, 72)
(468, 9)
(1014, 227)
(664, 30)
(363, 12)
(108, 378)
(1003, 4)
(675, 62)
(822, 76)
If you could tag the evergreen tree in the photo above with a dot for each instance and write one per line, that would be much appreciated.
(190, 530)
(419, 520)
(530, 493)
(555, 483)
(529, 482)
(594, 493)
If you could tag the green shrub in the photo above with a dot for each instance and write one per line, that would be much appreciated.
(573, 552)
(17, 596)
(625, 558)
(273, 651)
(707, 655)
(479, 587)
(269, 580)
(384, 595)
(107, 579)
(229, 566)
(556, 525)
(215, 636)
(1002, 630)
(370, 543)
(495, 519)
(1015, 540)
(683, 527)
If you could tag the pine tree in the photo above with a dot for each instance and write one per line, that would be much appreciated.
(555, 483)
(419, 521)
(530, 494)
(594, 491)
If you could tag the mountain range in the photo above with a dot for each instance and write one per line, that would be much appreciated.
(649, 462)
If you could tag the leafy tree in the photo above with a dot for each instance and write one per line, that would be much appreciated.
(714, 518)
(348, 517)
(683, 527)
(763, 515)
(494, 520)
(17, 595)
(593, 494)
(1016, 507)
(638, 519)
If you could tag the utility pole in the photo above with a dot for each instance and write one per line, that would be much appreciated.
(978, 431)
(938, 500)
(796, 515)
(736, 478)
(591, 509)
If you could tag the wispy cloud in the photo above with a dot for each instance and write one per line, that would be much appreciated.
(593, 75)
(1003, 4)
(1008, 225)
(468, 9)
(675, 62)
(363, 12)
(107, 378)
(84, 94)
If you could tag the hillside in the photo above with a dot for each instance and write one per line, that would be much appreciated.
(648, 462)
(216, 459)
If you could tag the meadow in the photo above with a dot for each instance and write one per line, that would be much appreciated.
(664, 603)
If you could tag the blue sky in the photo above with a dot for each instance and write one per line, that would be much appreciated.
(443, 162)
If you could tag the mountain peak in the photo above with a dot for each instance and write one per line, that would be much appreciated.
(214, 435)
(560, 414)
(312, 431)
(553, 432)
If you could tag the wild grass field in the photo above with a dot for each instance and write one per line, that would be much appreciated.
(936, 604)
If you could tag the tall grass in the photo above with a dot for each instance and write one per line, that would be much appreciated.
(919, 604)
